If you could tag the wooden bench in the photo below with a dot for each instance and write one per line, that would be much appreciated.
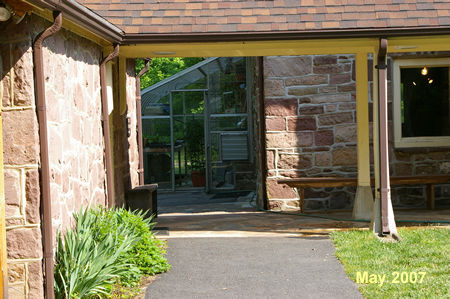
(323, 182)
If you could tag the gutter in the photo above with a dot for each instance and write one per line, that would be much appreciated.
(46, 205)
(106, 128)
(151, 38)
(139, 121)
(84, 17)
(262, 132)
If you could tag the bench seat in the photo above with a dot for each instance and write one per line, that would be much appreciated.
(324, 182)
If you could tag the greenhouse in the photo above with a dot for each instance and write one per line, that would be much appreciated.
(198, 126)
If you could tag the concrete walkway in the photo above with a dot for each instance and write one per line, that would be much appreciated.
(254, 267)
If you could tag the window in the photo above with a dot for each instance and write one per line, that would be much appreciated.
(421, 102)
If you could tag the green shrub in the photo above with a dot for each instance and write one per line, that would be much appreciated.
(106, 248)
(87, 266)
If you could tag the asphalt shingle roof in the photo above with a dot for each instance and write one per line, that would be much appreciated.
(211, 16)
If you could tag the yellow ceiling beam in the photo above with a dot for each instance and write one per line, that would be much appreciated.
(251, 48)
(419, 43)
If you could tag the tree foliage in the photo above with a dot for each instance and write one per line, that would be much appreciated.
(162, 68)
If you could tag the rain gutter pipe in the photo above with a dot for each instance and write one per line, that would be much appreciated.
(106, 128)
(139, 121)
(262, 132)
(46, 205)
(385, 187)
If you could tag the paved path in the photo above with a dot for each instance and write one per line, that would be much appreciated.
(267, 267)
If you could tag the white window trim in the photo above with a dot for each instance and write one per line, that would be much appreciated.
(404, 142)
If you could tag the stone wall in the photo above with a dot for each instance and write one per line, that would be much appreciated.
(311, 131)
(71, 66)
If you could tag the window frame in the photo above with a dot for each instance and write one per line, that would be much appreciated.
(414, 142)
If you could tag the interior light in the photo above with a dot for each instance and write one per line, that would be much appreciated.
(430, 81)
(5, 14)
(414, 83)
(424, 71)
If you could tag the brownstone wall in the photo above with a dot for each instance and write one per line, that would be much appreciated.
(311, 131)
(72, 89)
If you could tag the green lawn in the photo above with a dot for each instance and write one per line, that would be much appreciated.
(416, 267)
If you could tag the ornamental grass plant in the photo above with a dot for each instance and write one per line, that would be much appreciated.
(106, 250)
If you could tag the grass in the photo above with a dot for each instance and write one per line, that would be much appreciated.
(420, 250)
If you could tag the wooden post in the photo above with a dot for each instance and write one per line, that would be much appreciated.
(430, 196)
(363, 204)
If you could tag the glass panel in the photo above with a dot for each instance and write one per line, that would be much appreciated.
(157, 156)
(229, 123)
(425, 101)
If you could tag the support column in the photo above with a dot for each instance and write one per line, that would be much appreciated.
(3, 257)
(364, 199)
(387, 220)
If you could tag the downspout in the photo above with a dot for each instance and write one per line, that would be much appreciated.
(43, 140)
(106, 129)
(262, 132)
(139, 121)
(387, 215)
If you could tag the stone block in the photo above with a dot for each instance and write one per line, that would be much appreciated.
(23, 74)
(294, 161)
(12, 188)
(6, 99)
(311, 110)
(403, 169)
(301, 124)
(33, 195)
(304, 100)
(350, 87)
(325, 59)
(302, 91)
(17, 291)
(322, 159)
(24, 243)
(331, 108)
(340, 200)
(331, 68)
(316, 204)
(275, 190)
(344, 156)
(270, 157)
(16, 273)
(20, 133)
(346, 133)
(307, 80)
(275, 66)
(335, 118)
(275, 205)
(347, 106)
(445, 167)
(426, 169)
(330, 98)
(324, 138)
(340, 78)
(274, 87)
(281, 107)
(275, 124)
(35, 280)
(288, 140)
(327, 89)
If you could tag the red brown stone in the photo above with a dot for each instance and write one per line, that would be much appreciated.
(307, 80)
(335, 118)
(326, 59)
(32, 191)
(24, 243)
(288, 140)
(302, 91)
(35, 280)
(322, 159)
(323, 138)
(301, 124)
(20, 130)
(275, 190)
(330, 98)
(346, 133)
(294, 161)
(344, 156)
(275, 124)
(340, 78)
(330, 69)
(270, 157)
(287, 66)
(281, 107)
(310, 110)
(274, 87)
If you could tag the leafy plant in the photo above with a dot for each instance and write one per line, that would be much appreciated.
(86, 265)
(106, 250)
